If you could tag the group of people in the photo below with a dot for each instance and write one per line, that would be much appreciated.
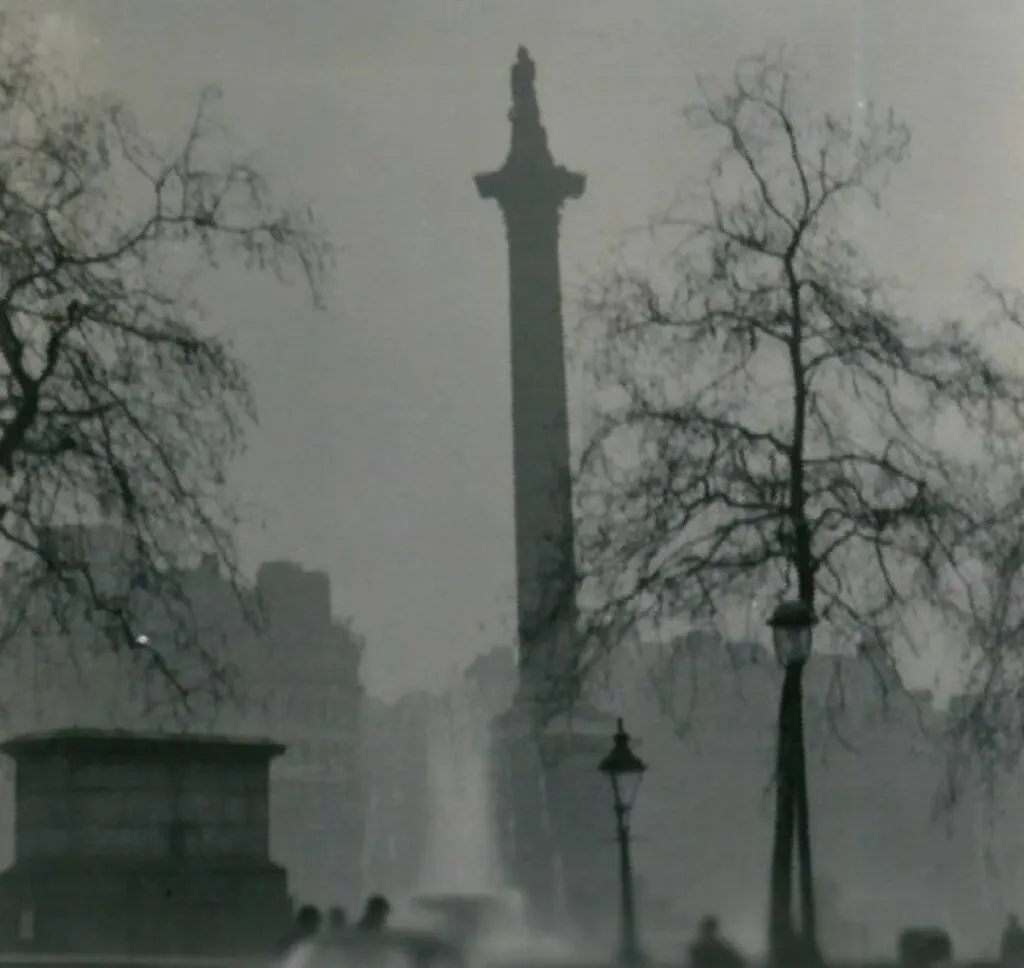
(311, 925)
(365, 943)
(710, 950)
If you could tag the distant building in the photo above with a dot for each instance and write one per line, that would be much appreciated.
(876, 769)
(704, 716)
(395, 749)
(304, 688)
(129, 844)
(297, 680)
(494, 678)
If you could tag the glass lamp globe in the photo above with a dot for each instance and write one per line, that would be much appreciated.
(792, 625)
(623, 768)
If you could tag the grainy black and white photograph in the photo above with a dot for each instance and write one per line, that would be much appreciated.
(492, 484)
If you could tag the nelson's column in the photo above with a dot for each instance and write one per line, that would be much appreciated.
(551, 803)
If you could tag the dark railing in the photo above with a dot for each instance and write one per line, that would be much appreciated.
(44, 960)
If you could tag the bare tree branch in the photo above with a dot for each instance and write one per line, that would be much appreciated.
(769, 423)
(119, 413)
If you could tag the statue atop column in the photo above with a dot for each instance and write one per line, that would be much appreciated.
(529, 139)
(543, 854)
(524, 90)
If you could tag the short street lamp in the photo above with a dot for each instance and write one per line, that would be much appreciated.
(792, 625)
(625, 770)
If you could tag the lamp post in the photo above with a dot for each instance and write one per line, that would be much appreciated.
(625, 770)
(792, 625)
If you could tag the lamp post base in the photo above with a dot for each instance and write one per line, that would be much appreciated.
(632, 958)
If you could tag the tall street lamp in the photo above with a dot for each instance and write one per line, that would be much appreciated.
(625, 770)
(792, 626)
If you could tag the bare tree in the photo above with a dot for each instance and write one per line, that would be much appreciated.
(771, 423)
(120, 412)
(986, 721)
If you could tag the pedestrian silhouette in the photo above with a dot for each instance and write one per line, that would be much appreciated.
(710, 950)
(924, 947)
(305, 929)
(306, 925)
(337, 921)
(1011, 947)
(375, 914)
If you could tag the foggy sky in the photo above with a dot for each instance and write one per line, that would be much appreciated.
(383, 453)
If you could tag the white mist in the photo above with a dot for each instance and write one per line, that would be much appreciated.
(462, 873)
(462, 851)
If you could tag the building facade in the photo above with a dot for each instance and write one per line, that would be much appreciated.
(303, 687)
(396, 750)
(296, 678)
(888, 856)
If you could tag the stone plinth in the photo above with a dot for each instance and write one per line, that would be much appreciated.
(131, 844)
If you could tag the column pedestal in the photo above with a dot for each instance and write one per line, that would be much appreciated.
(554, 816)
